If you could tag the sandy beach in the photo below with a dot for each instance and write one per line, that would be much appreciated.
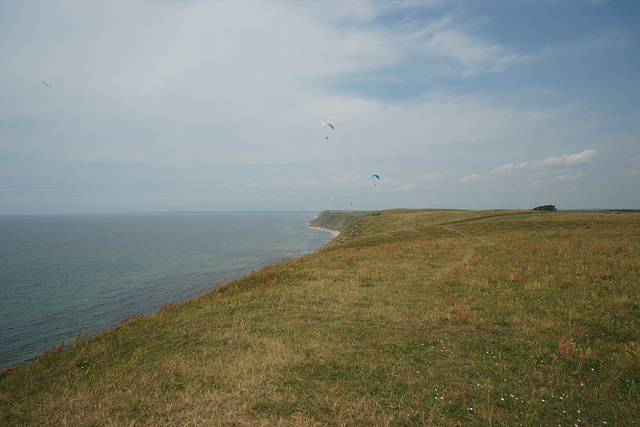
(332, 233)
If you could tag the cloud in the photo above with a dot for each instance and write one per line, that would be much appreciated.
(554, 161)
(475, 54)
(471, 178)
(152, 98)
(569, 159)
(432, 177)
(509, 167)
(567, 177)
(552, 168)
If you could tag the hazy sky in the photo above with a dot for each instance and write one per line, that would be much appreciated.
(186, 105)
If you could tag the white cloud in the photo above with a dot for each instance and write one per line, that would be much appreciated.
(569, 159)
(432, 177)
(567, 177)
(474, 54)
(550, 167)
(554, 161)
(472, 177)
(215, 96)
(509, 167)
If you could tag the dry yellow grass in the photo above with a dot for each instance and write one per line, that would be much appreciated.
(409, 317)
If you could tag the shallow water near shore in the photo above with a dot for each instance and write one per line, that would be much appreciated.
(62, 275)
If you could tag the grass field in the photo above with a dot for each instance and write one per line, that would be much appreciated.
(408, 317)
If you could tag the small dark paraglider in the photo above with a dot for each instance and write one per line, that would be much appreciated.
(46, 84)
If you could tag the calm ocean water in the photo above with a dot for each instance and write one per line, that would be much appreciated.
(62, 275)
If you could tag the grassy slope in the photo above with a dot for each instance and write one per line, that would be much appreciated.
(408, 317)
(337, 220)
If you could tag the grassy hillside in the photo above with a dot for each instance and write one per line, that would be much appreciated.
(337, 220)
(409, 317)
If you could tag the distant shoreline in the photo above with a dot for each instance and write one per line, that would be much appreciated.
(332, 233)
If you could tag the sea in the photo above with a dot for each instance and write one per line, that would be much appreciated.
(64, 275)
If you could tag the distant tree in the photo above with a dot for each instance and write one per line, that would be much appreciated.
(548, 208)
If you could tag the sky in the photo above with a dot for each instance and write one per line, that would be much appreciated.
(189, 105)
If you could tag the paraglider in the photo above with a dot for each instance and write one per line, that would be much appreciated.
(328, 124)
(47, 84)
(375, 176)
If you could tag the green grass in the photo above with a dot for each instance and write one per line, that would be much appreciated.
(409, 317)
(337, 220)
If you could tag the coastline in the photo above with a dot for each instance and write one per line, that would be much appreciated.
(257, 319)
(332, 233)
(187, 255)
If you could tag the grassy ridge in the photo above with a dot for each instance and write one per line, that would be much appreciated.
(408, 317)
(336, 220)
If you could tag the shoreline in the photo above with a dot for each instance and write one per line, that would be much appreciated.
(332, 233)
